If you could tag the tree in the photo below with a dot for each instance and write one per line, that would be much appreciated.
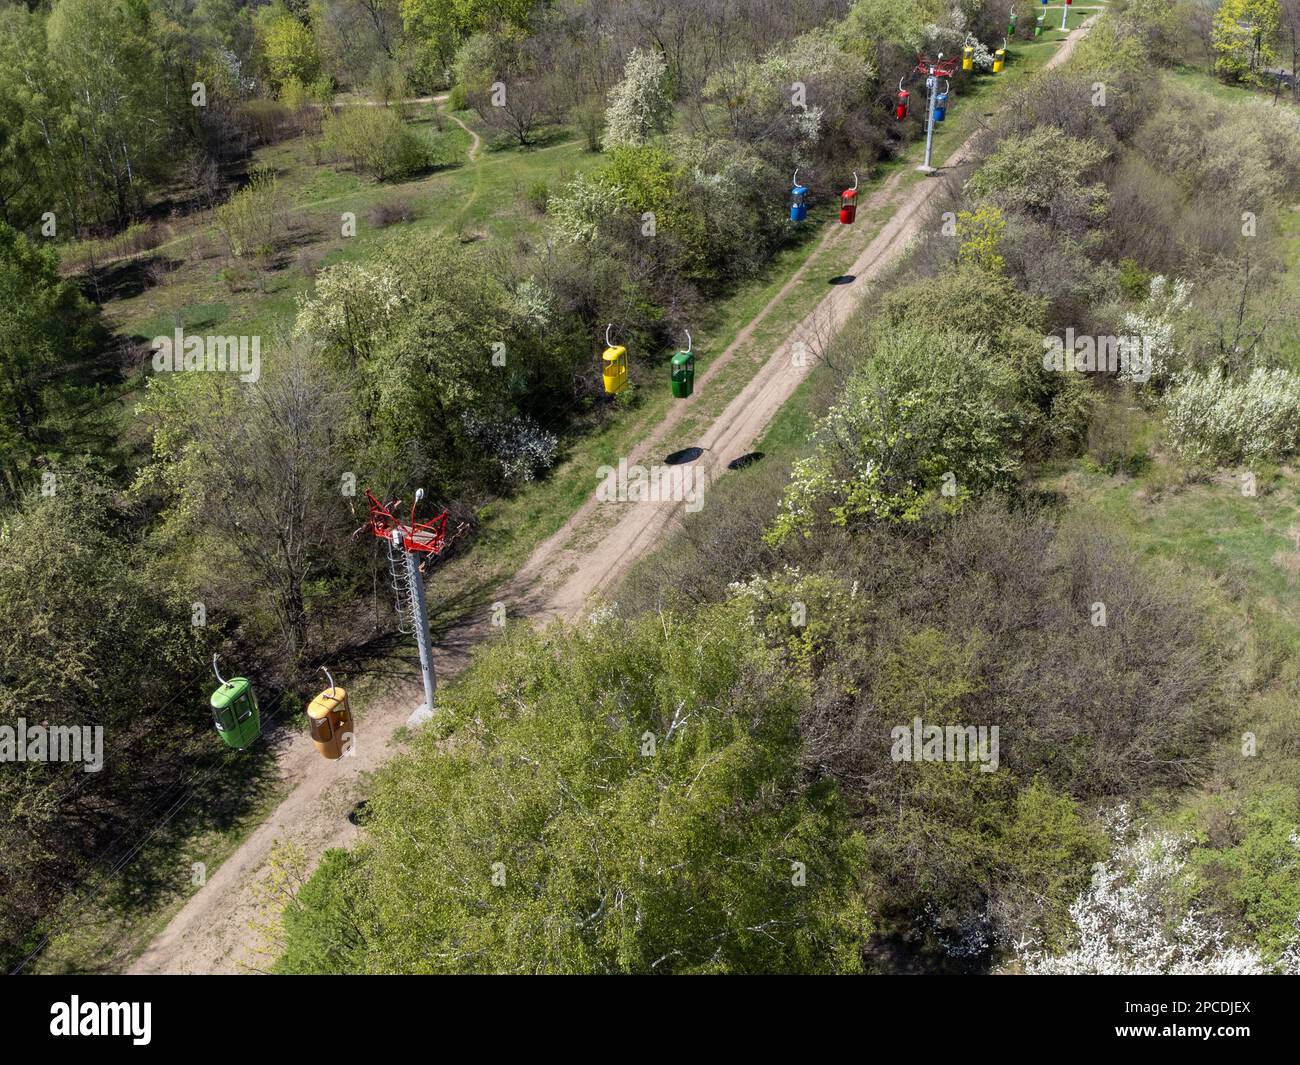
(45, 325)
(260, 508)
(414, 333)
(1289, 16)
(287, 45)
(117, 101)
(639, 104)
(28, 165)
(508, 80)
(1244, 35)
(89, 638)
(442, 25)
(620, 798)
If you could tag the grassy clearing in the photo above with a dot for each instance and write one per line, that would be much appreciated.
(1243, 551)
(1202, 78)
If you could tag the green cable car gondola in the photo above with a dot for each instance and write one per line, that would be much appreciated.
(684, 371)
(234, 711)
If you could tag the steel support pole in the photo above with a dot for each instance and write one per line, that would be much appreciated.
(420, 612)
(932, 86)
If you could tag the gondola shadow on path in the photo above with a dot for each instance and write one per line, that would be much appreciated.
(744, 461)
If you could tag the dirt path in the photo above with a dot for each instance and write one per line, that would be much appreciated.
(475, 141)
(212, 933)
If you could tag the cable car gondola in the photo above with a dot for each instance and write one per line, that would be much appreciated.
(683, 372)
(330, 718)
(615, 364)
(849, 203)
(798, 200)
(234, 711)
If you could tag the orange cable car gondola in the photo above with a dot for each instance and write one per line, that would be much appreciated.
(331, 720)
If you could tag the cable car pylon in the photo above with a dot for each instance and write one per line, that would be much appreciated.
(404, 541)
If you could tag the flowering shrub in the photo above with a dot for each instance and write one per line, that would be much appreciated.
(1135, 919)
(639, 104)
(348, 305)
(802, 612)
(1212, 418)
(1155, 320)
(533, 301)
(927, 420)
(518, 444)
(577, 210)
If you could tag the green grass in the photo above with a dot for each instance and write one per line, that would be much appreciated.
(1202, 78)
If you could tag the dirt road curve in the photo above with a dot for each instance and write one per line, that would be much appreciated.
(213, 932)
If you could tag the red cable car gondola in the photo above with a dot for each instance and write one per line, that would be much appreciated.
(849, 203)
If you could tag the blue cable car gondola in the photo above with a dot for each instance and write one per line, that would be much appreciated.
(798, 200)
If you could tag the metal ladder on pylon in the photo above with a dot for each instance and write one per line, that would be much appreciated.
(403, 594)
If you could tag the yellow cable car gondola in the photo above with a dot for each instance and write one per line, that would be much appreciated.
(331, 720)
(615, 364)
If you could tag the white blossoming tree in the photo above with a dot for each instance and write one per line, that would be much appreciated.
(639, 104)
(1135, 918)
(1212, 418)
(349, 304)
(1154, 321)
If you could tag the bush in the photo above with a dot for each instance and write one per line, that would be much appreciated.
(927, 420)
(1250, 874)
(1136, 918)
(539, 195)
(1117, 441)
(1212, 418)
(390, 212)
(1091, 709)
(607, 804)
(254, 218)
(376, 141)
(321, 924)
